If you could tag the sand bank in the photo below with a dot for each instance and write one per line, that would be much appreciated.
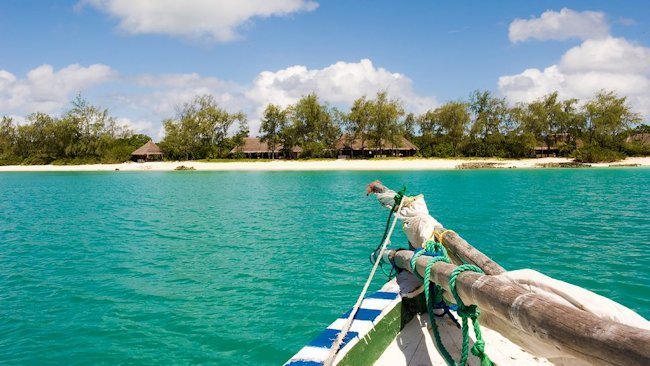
(310, 165)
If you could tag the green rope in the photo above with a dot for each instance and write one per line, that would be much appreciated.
(414, 260)
(470, 312)
(398, 199)
(465, 312)
(437, 294)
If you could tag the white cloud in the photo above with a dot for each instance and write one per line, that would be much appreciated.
(141, 102)
(616, 55)
(212, 20)
(610, 63)
(562, 25)
(164, 93)
(340, 83)
(139, 126)
(47, 90)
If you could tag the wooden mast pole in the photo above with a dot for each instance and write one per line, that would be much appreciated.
(505, 305)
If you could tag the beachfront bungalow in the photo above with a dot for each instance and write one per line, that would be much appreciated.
(147, 152)
(254, 148)
(348, 147)
(639, 139)
(555, 142)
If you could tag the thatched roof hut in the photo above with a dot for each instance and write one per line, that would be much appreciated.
(353, 147)
(147, 152)
(639, 138)
(253, 148)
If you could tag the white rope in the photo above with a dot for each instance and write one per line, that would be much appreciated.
(337, 343)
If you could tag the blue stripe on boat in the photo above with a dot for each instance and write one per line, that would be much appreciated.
(383, 295)
(304, 363)
(328, 336)
(363, 314)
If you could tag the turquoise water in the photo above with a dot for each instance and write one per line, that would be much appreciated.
(246, 267)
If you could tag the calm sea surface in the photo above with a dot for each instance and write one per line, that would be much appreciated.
(246, 267)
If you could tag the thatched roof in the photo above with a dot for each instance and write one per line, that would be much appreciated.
(639, 138)
(147, 149)
(254, 145)
(404, 144)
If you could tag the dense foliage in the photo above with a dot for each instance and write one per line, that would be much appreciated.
(200, 131)
(82, 135)
(485, 125)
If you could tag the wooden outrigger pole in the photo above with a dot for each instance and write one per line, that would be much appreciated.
(506, 305)
(460, 251)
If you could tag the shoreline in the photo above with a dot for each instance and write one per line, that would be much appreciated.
(322, 165)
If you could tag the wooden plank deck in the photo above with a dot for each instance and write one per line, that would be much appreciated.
(414, 346)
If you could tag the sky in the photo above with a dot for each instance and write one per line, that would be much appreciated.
(142, 59)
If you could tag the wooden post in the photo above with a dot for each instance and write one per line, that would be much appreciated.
(505, 305)
(461, 251)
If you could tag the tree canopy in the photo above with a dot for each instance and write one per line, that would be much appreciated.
(200, 130)
(484, 125)
(83, 134)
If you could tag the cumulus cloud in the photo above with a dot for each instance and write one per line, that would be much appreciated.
(47, 90)
(340, 83)
(213, 20)
(610, 63)
(562, 25)
(141, 102)
(162, 94)
(616, 55)
(137, 126)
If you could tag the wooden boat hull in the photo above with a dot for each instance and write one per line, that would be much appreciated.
(375, 325)
(391, 330)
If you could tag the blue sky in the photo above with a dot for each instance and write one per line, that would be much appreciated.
(142, 58)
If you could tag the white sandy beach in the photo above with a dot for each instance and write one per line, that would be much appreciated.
(307, 165)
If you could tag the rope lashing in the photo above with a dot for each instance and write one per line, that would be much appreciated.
(417, 254)
(470, 312)
(399, 196)
(438, 253)
(435, 249)
(437, 294)
(441, 236)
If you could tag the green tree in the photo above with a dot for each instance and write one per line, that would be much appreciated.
(200, 129)
(385, 124)
(313, 127)
(410, 122)
(540, 119)
(288, 139)
(274, 121)
(489, 114)
(453, 118)
(92, 128)
(430, 132)
(607, 117)
(178, 141)
(242, 133)
(7, 140)
(490, 124)
(84, 134)
(358, 121)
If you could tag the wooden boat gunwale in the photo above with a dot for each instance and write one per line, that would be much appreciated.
(571, 330)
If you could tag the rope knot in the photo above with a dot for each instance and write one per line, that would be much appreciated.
(399, 196)
(478, 349)
(468, 312)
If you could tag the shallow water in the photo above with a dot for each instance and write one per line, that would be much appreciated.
(246, 267)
